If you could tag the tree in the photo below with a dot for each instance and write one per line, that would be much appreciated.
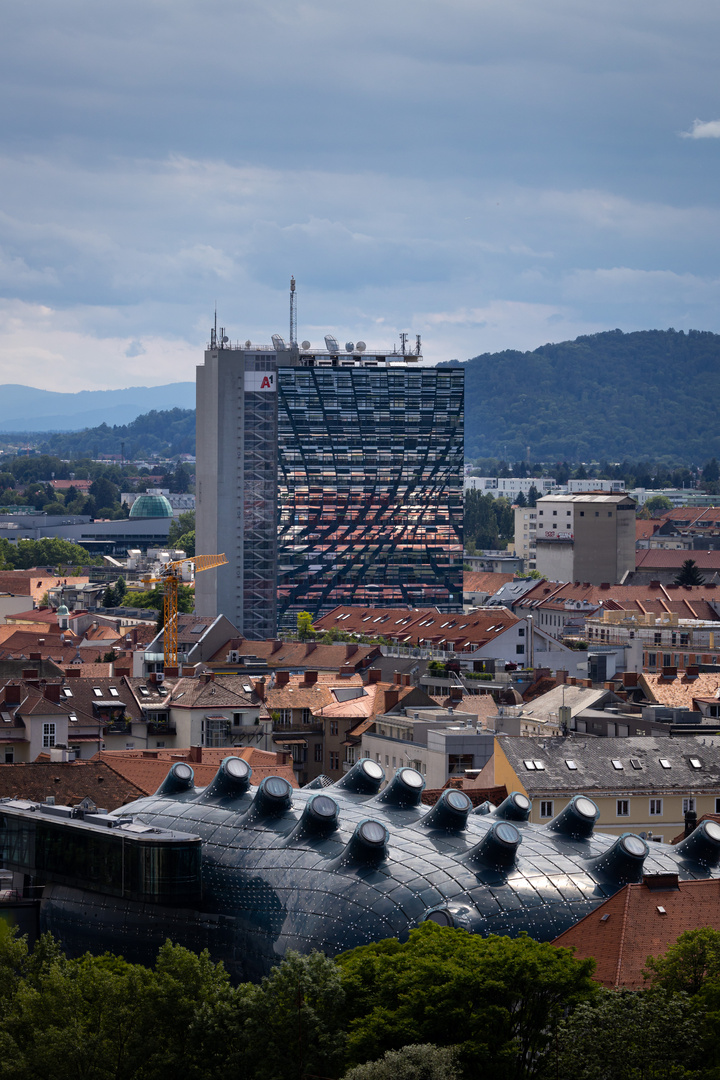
(414, 1062)
(295, 1025)
(628, 1036)
(184, 524)
(120, 589)
(710, 473)
(533, 496)
(689, 574)
(305, 628)
(499, 999)
(688, 964)
(521, 500)
(109, 597)
(657, 503)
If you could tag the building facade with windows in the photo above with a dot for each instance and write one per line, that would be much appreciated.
(325, 477)
(585, 538)
(641, 785)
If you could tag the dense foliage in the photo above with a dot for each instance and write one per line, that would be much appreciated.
(489, 522)
(164, 433)
(444, 1005)
(649, 393)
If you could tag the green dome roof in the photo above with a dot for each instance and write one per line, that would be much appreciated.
(151, 506)
(62, 610)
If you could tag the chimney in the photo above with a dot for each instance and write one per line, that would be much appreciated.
(260, 688)
(350, 650)
(189, 671)
(13, 693)
(654, 584)
(397, 678)
(605, 585)
(311, 677)
(586, 585)
(208, 676)
(171, 672)
(282, 678)
(391, 699)
(72, 672)
(30, 675)
(669, 673)
(587, 683)
(630, 678)
(35, 656)
(121, 671)
(310, 646)
(456, 693)
(561, 677)
(374, 675)
(52, 692)
(195, 755)
(276, 645)
(692, 671)
(406, 680)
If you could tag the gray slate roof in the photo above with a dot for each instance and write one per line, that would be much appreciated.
(595, 771)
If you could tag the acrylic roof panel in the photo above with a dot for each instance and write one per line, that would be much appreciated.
(332, 867)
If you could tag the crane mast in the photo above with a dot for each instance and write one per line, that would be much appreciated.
(170, 578)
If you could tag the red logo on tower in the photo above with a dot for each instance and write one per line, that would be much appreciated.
(266, 383)
(260, 380)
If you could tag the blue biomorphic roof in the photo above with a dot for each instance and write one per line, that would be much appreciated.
(332, 867)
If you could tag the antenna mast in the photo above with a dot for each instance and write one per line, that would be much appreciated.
(293, 313)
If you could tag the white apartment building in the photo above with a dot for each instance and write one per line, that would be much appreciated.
(509, 487)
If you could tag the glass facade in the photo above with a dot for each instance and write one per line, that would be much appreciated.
(370, 487)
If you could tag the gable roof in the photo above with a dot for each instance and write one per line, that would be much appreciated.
(641, 921)
(673, 558)
(487, 582)
(678, 690)
(147, 770)
(594, 770)
(299, 654)
(412, 626)
(69, 782)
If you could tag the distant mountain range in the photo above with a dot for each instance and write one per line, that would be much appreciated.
(25, 408)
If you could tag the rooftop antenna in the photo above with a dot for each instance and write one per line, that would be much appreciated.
(293, 313)
(403, 343)
(418, 345)
(213, 331)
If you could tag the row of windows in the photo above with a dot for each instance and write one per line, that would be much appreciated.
(622, 807)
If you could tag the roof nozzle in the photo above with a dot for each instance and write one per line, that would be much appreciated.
(516, 807)
(178, 781)
(230, 781)
(498, 847)
(273, 797)
(364, 778)
(450, 812)
(623, 860)
(405, 789)
(577, 819)
(702, 845)
(368, 845)
(319, 819)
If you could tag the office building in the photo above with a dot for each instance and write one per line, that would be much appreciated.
(326, 476)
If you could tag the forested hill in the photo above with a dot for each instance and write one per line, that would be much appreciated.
(167, 433)
(652, 395)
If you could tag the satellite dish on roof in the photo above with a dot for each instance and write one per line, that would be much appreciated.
(225, 338)
(305, 345)
(349, 346)
(248, 343)
(360, 346)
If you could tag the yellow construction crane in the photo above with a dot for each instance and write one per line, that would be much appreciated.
(170, 577)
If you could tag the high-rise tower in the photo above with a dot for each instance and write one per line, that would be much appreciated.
(327, 476)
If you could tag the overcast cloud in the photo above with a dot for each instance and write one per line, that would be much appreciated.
(488, 174)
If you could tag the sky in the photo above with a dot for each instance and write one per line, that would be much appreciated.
(490, 174)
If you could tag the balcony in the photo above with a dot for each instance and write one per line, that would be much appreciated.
(160, 729)
(280, 728)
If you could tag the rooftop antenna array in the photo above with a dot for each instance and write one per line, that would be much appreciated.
(293, 313)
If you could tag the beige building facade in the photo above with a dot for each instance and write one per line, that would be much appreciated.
(585, 537)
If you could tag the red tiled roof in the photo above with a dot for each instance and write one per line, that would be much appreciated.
(623, 931)
(414, 625)
(69, 782)
(672, 559)
(299, 654)
(645, 529)
(147, 771)
(479, 581)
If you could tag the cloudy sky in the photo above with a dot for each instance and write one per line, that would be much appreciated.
(488, 173)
